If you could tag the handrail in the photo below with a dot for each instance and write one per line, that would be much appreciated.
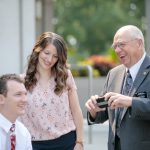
(90, 88)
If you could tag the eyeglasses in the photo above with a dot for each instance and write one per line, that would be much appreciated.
(121, 45)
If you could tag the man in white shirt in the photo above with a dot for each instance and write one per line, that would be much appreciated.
(13, 99)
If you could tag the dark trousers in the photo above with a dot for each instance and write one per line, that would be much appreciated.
(65, 142)
(117, 143)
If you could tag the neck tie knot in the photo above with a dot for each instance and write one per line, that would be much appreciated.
(127, 84)
(12, 129)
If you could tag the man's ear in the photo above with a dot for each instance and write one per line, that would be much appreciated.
(140, 43)
(2, 99)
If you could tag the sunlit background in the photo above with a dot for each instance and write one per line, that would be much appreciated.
(87, 26)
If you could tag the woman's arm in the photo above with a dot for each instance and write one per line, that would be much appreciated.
(77, 115)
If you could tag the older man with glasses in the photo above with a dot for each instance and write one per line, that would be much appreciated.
(127, 91)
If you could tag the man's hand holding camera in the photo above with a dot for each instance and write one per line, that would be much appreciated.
(92, 106)
(111, 100)
(116, 100)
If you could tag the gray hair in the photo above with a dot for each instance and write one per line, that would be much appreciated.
(134, 32)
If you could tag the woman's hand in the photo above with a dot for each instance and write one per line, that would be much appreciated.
(79, 146)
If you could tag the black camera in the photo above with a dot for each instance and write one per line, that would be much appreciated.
(101, 102)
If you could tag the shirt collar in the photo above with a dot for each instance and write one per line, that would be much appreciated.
(5, 123)
(135, 68)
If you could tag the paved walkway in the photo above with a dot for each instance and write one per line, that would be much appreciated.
(98, 138)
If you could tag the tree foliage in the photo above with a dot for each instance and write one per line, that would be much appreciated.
(89, 26)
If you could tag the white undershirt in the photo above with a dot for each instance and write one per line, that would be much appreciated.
(135, 68)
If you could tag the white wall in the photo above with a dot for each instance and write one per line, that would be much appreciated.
(28, 28)
(17, 34)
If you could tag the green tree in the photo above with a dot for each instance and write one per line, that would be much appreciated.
(89, 26)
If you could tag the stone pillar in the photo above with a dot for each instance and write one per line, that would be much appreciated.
(47, 15)
(27, 32)
(17, 34)
(44, 16)
(147, 3)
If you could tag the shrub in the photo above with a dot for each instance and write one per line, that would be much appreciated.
(101, 64)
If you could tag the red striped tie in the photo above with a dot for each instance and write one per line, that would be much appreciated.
(12, 137)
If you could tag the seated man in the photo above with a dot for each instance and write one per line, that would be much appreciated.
(13, 99)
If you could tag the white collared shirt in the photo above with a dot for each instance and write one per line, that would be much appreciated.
(135, 68)
(23, 137)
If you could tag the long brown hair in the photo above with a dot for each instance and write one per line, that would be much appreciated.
(59, 69)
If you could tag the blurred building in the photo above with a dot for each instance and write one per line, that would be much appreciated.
(21, 21)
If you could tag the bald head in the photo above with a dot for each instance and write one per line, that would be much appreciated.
(132, 31)
(129, 45)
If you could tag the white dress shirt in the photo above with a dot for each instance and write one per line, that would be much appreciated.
(23, 137)
(135, 68)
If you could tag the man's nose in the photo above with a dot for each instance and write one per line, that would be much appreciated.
(24, 98)
(117, 49)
